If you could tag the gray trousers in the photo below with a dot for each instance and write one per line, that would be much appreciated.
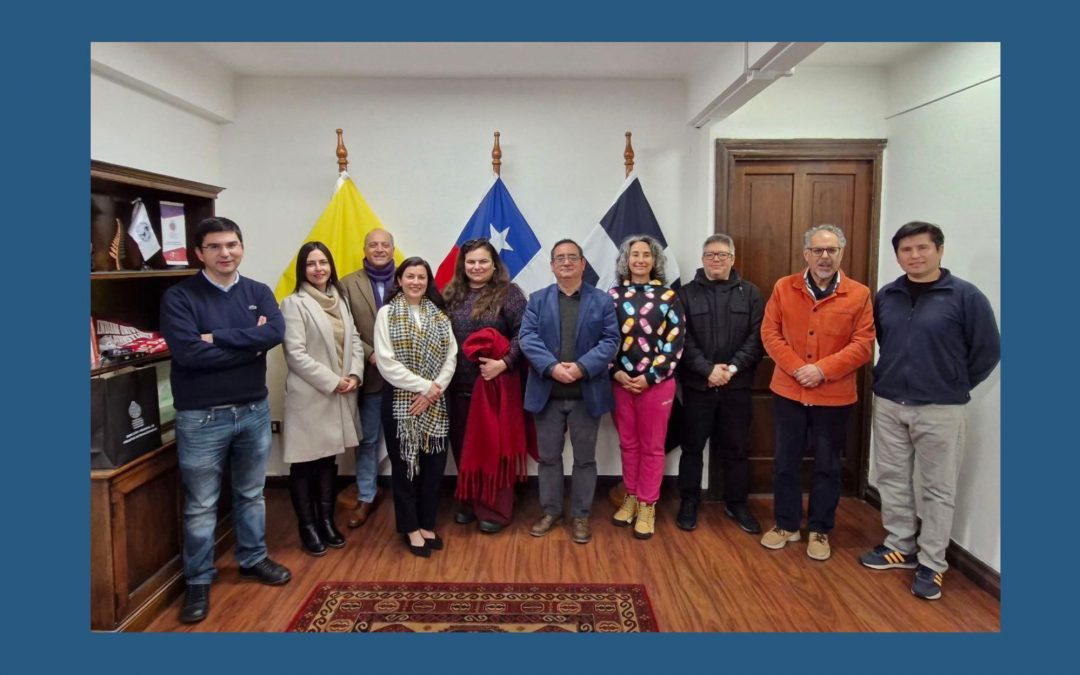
(552, 423)
(927, 442)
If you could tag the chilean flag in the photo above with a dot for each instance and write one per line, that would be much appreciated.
(498, 220)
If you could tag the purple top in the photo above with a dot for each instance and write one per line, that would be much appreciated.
(507, 321)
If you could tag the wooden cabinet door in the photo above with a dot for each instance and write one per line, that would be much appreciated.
(766, 205)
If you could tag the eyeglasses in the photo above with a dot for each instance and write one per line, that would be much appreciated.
(215, 248)
(833, 251)
(563, 259)
(724, 255)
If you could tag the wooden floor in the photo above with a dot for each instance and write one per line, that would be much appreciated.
(717, 578)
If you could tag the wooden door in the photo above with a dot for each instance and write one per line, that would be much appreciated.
(768, 194)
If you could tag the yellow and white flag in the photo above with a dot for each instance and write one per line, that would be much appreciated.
(342, 227)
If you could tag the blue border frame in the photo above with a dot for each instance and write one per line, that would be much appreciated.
(47, 604)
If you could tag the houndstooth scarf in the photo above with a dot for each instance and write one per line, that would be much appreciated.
(422, 349)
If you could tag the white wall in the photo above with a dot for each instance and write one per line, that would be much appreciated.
(130, 128)
(943, 165)
(420, 154)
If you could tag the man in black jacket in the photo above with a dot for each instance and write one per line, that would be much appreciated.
(723, 348)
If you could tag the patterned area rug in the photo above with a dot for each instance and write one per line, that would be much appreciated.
(421, 607)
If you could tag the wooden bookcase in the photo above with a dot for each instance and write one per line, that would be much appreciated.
(136, 509)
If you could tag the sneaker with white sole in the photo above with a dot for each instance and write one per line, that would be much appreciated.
(885, 558)
(778, 538)
(819, 548)
(927, 583)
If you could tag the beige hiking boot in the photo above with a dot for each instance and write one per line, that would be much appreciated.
(646, 521)
(627, 512)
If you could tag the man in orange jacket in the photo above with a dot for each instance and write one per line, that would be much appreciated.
(818, 329)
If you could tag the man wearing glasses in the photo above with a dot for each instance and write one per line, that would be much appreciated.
(819, 329)
(569, 336)
(723, 348)
(219, 326)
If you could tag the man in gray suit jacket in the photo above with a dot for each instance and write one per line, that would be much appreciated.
(569, 335)
(366, 290)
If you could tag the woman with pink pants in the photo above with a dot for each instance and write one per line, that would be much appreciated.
(651, 322)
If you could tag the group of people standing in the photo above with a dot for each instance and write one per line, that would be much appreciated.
(496, 378)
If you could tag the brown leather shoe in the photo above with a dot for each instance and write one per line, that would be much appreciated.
(544, 525)
(346, 499)
(581, 532)
(363, 511)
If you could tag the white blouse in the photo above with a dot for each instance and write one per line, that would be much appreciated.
(395, 372)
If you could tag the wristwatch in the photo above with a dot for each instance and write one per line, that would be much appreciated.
(732, 368)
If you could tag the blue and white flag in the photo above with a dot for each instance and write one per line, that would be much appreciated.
(629, 215)
(498, 220)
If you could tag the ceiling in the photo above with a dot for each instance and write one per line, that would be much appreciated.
(879, 54)
(637, 60)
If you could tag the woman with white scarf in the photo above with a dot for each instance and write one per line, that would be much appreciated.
(416, 354)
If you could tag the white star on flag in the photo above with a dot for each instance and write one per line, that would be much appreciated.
(498, 239)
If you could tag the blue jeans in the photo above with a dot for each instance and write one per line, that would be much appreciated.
(367, 453)
(206, 440)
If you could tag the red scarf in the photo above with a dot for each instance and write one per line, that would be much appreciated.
(498, 433)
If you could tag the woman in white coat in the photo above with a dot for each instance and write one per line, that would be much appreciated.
(326, 366)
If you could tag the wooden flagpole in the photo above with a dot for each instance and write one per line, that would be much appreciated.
(342, 153)
(617, 493)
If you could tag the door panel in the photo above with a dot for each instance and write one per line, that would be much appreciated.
(767, 200)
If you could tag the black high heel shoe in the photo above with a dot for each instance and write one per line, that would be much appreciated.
(423, 551)
(435, 544)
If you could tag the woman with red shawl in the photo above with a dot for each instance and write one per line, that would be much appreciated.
(485, 396)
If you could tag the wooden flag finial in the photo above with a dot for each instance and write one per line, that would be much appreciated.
(628, 155)
(342, 153)
(496, 156)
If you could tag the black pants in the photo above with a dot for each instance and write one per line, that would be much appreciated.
(824, 429)
(416, 500)
(722, 417)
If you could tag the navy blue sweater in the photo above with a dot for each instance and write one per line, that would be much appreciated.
(938, 350)
(232, 370)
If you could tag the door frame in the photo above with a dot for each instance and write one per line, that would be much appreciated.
(731, 150)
